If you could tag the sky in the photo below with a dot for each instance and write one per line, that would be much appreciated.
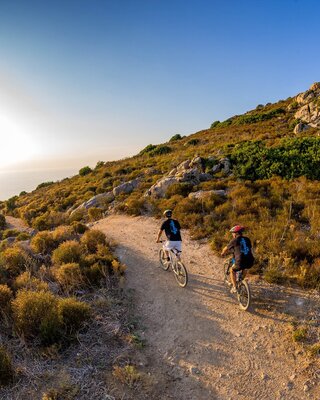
(89, 80)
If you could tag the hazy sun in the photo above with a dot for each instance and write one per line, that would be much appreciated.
(16, 145)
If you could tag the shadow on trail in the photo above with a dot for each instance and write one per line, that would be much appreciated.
(203, 286)
(185, 337)
(280, 303)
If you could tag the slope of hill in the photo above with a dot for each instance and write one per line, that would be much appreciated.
(60, 283)
(260, 169)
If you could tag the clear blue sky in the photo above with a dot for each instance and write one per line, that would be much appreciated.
(95, 80)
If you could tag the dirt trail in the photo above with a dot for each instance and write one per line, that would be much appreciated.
(199, 344)
(17, 223)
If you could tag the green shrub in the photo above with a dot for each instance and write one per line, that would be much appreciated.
(95, 213)
(22, 236)
(78, 215)
(214, 124)
(11, 203)
(79, 228)
(41, 223)
(134, 205)
(35, 315)
(69, 276)
(6, 296)
(3, 222)
(85, 171)
(62, 234)
(314, 350)
(9, 233)
(182, 189)
(43, 242)
(176, 137)
(92, 238)
(127, 374)
(291, 159)
(193, 142)
(13, 260)
(273, 274)
(160, 150)
(147, 149)
(311, 275)
(73, 314)
(29, 282)
(44, 184)
(67, 252)
(299, 334)
(258, 116)
(118, 268)
(6, 368)
(97, 273)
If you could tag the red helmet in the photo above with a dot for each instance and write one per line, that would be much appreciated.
(237, 229)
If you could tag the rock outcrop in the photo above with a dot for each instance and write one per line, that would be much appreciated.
(189, 171)
(300, 127)
(204, 194)
(223, 165)
(103, 199)
(309, 108)
(126, 187)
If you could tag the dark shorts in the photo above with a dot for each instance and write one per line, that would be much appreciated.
(238, 268)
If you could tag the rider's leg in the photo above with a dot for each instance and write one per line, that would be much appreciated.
(233, 278)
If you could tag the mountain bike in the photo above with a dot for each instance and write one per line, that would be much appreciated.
(242, 286)
(178, 269)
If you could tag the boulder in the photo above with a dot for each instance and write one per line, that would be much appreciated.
(173, 172)
(315, 87)
(309, 110)
(160, 188)
(301, 127)
(305, 97)
(190, 176)
(151, 171)
(223, 165)
(205, 177)
(204, 194)
(183, 166)
(100, 200)
(197, 162)
(126, 187)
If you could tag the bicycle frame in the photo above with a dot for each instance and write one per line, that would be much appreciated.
(177, 267)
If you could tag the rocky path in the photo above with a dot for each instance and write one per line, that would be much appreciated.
(17, 223)
(199, 344)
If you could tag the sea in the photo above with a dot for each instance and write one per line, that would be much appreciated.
(14, 182)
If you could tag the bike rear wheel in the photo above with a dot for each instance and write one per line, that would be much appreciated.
(244, 295)
(165, 264)
(180, 273)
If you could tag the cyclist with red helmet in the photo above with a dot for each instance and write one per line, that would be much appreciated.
(241, 248)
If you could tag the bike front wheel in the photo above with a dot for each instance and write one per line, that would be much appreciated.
(244, 296)
(226, 273)
(165, 264)
(180, 273)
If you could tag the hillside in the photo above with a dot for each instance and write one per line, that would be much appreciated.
(71, 331)
(260, 169)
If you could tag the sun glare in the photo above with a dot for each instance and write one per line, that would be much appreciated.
(16, 146)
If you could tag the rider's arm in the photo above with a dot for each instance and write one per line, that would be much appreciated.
(159, 235)
(224, 251)
(229, 248)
